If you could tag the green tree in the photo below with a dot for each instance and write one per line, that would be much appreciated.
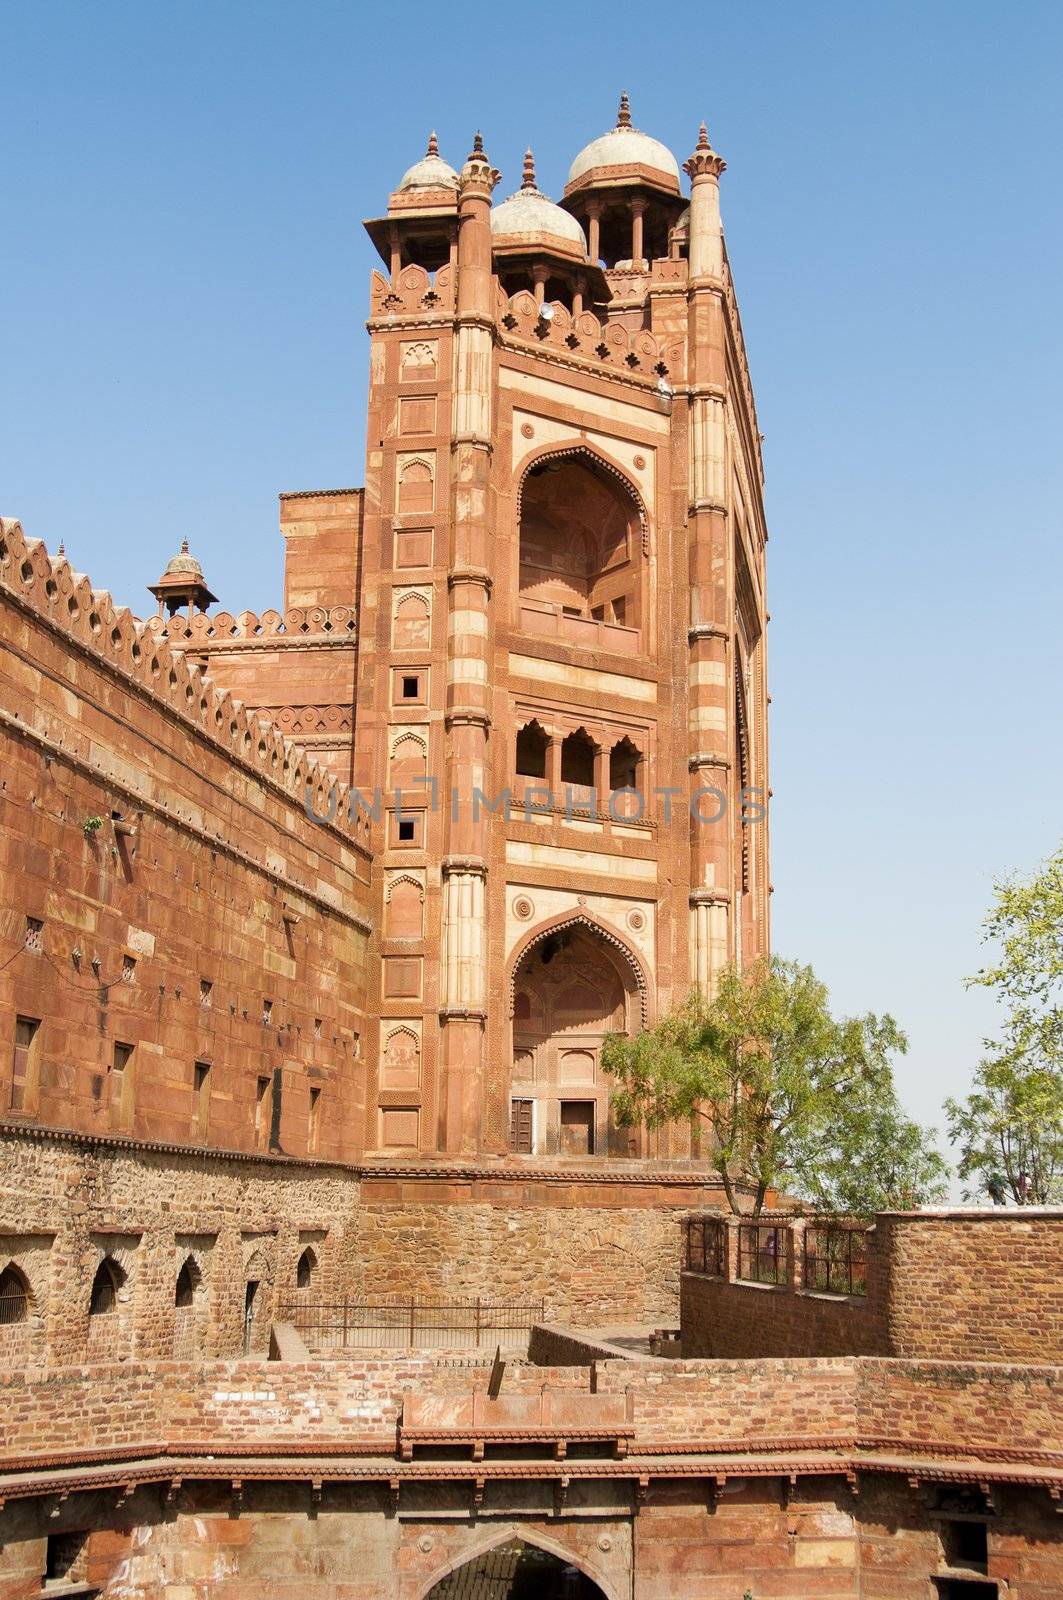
(1010, 1127)
(794, 1096)
(1010, 1133)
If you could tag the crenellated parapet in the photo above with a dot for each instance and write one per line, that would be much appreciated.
(338, 623)
(607, 344)
(49, 587)
(412, 292)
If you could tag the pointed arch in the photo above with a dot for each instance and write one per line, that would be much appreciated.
(582, 918)
(306, 1268)
(535, 1540)
(16, 1296)
(593, 457)
(108, 1280)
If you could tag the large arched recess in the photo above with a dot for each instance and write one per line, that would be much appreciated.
(583, 551)
(457, 1578)
(610, 936)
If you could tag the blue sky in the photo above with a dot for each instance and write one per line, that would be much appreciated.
(182, 295)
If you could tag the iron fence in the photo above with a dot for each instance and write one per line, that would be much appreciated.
(706, 1247)
(763, 1254)
(836, 1260)
(396, 1324)
(13, 1306)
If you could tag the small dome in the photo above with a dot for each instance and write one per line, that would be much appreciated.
(530, 213)
(183, 563)
(431, 172)
(626, 147)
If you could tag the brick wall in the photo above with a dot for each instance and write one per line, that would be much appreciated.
(955, 1285)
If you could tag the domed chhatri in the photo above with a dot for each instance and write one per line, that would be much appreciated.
(431, 172)
(529, 215)
(182, 585)
(624, 154)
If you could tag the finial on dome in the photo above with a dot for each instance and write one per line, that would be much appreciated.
(528, 180)
(623, 116)
(62, 548)
(184, 547)
(433, 144)
(477, 144)
(703, 138)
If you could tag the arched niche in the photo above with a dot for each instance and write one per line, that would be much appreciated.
(583, 568)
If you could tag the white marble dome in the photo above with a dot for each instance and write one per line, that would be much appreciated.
(431, 172)
(625, 147)
(529, 213)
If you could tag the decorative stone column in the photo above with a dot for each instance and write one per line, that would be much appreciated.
(710, 714)
(467, 720)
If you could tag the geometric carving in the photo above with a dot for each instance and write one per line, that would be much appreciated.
(404, 909)
(416, 489)
(400, 1065)
(411, 625)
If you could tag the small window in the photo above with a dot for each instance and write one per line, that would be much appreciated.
(65, 1562)
(407, 830)
(305, 1269)
(411, 687)
(14, 1296)
(317, 1027)
(24, 1063)
(263, 1110)
(521, 1127)
(267, 1012)
(532, 745)
(314, 1120)
(201, 1096)
(105, 1286)
(184, 1294)
(965, 1544)
(129, 968)
(34, 938)
(577, 759)
(964, 1589)
(206, 993)
(121, 1057)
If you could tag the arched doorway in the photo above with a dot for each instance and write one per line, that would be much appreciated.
(571, 988)
(516, 1571)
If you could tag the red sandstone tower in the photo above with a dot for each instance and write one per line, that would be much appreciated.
(551, 595)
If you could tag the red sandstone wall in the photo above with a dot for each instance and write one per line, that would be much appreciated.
(221, 878)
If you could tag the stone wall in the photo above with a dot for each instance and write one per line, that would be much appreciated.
(595, 1251)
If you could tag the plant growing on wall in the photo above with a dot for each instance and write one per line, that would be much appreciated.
(91, 826)
(794, 1097)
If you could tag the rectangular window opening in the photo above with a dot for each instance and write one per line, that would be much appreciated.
(24, 1063)
(411, 688)
(315, 1120)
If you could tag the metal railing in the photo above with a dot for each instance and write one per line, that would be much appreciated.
(14, 1305)
(397, 1324)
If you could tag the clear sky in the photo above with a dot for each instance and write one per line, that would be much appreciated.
(184, 282)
